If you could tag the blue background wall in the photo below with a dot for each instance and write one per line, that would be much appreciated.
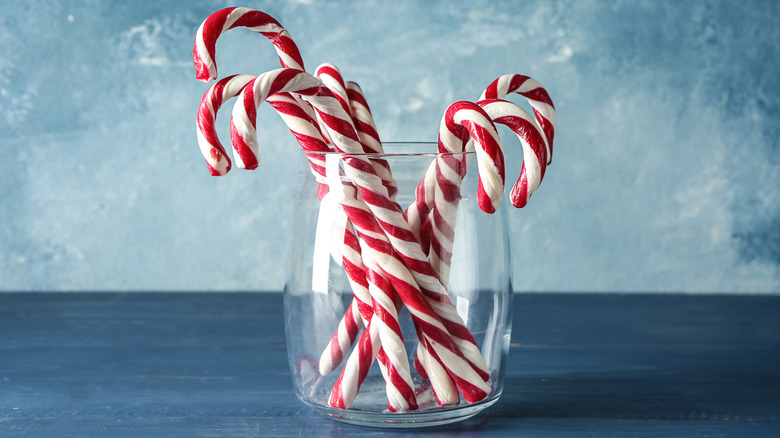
(666, 175)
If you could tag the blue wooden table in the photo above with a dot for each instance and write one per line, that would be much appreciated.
(214, 365)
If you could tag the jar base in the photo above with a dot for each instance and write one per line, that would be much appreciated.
(425, 417)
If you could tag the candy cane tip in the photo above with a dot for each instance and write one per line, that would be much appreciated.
(217, 172)
(487, 206)
(520, 202)
(202, 70)
(520, 196)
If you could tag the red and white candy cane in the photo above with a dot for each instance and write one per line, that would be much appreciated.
(342, 340)
(287, 107)
(369, 347)
(352, 100)
(532, 141)
(395, 248)
(449, 171)
(461, 121)
(537, 96)
(368, 135)
(383, 327)
(243, 124)
(308, 134)
(210, 146)
(203, 51)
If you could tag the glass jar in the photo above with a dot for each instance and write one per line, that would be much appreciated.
(335, 290)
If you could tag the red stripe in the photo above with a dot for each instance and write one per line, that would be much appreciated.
(516, 82)
(254, 18)
(539, 94)
(519, 193)
(341, 126)
(356, 96)
(491, 92)
(355, 274)
(441, 224)
(212, 29)
(243, 150)
(249, 103)
(471, 393)
(443, 255)
(483, 199)
(364, 220)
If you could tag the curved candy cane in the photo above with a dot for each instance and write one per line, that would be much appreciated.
(463, 121)
(210, 146)
(532, 141)
(537, 96)
(203, 51)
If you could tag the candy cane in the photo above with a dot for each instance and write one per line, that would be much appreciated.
(208, 141)
(533, 143)
(416, 213)
(346, 333)
(203, 51)
(395, 264)
(537, 96)
(461, 121)
(382, 323)
(368, 135)
(352, 100)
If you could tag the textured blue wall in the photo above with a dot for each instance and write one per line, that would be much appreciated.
(666, 175)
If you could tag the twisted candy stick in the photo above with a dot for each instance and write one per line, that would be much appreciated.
(215, 96)
(461, 120)
(380, 313)
(544, 112)
(210, 146)
(383, 327)
(216, 24)
(534, 165)
(400, 396)
(533, 143)
(537, 96)
(351, 98)
(368, 135)
(342, 340)
(394, 264)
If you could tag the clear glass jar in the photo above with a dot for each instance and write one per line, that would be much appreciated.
(319, 293)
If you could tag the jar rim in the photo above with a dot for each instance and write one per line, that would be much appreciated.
(426, 149)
